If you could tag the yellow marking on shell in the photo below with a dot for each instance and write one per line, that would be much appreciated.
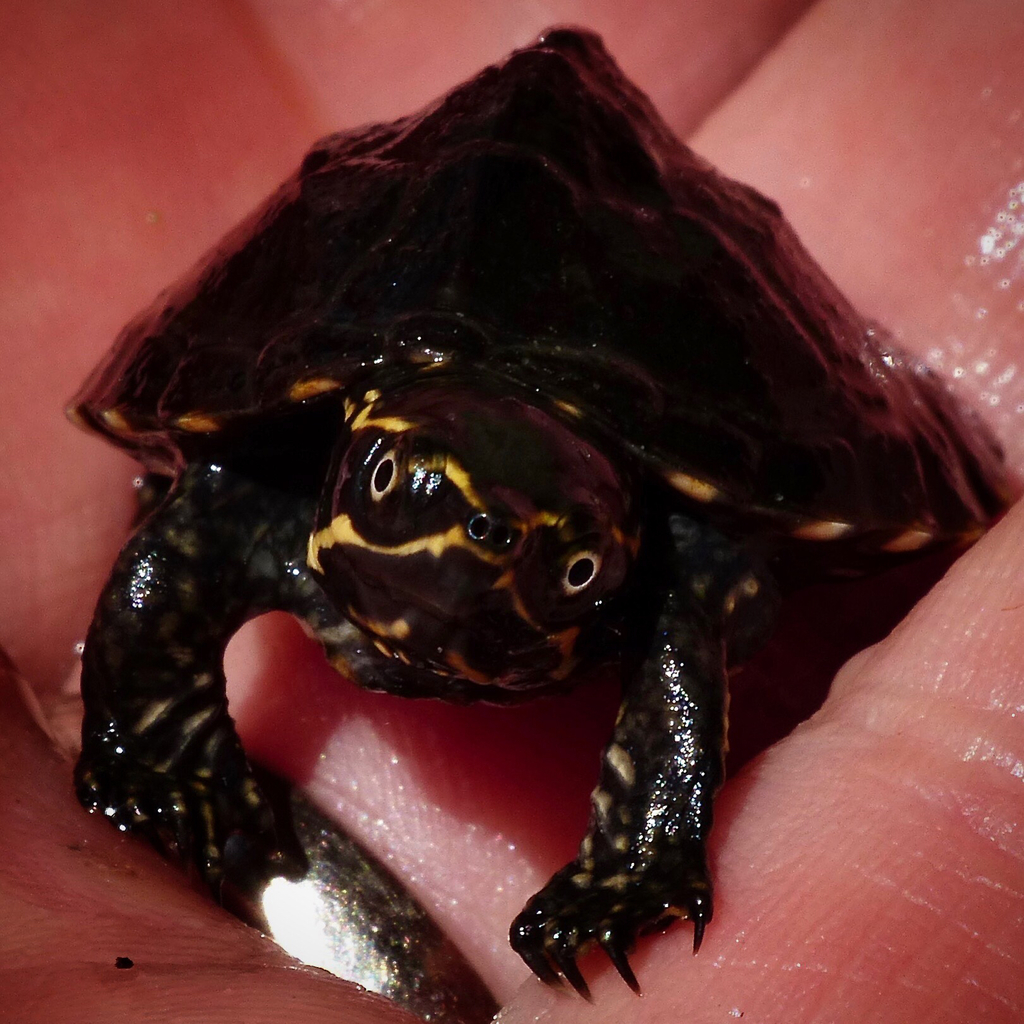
(693, 487)
(74, 414)
(621, 763)
(371, 396)
(341, 531)
(198, 423)
(909, 540)
(823, 529)
(621, 843)
(303, 389)
(383, 647)
(972, 534)
(350, 409)
(572, 410)
(464, 669)
(115, 420)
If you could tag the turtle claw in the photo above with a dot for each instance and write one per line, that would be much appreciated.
(529, 943)
(183, 817)
(699, 912)
(565, 917)
(620, 961)
(565, 961)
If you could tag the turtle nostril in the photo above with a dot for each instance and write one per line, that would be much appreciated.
(479, 527)
(485, 529)
(501, 535)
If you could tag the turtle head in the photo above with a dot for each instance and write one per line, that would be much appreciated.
(473, 533)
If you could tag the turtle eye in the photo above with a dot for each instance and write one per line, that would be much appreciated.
(580, 572)
(384, 477)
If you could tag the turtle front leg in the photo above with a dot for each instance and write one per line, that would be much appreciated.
(160, 755)
(643, 862)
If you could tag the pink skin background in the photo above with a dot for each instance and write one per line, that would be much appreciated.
(869, 866)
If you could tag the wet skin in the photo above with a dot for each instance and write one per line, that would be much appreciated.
(1009, 553)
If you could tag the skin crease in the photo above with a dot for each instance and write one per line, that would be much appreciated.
(870, 867)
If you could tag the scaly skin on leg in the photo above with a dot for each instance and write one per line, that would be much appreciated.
(643, 860)
(160, 753)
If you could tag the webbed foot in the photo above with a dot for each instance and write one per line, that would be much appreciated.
(610, 908)
(190, 816)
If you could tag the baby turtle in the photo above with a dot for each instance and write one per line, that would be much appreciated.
(487, 396)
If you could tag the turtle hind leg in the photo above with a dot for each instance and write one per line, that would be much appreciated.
(643, 862)
(160, 755)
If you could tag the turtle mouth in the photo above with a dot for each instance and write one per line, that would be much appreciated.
(442, 614)
(491, 644)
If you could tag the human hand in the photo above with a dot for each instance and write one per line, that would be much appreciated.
(142, 137)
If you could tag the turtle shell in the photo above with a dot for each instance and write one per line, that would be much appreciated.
(541, 226)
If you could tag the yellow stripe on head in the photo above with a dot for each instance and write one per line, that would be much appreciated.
(342, 532)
